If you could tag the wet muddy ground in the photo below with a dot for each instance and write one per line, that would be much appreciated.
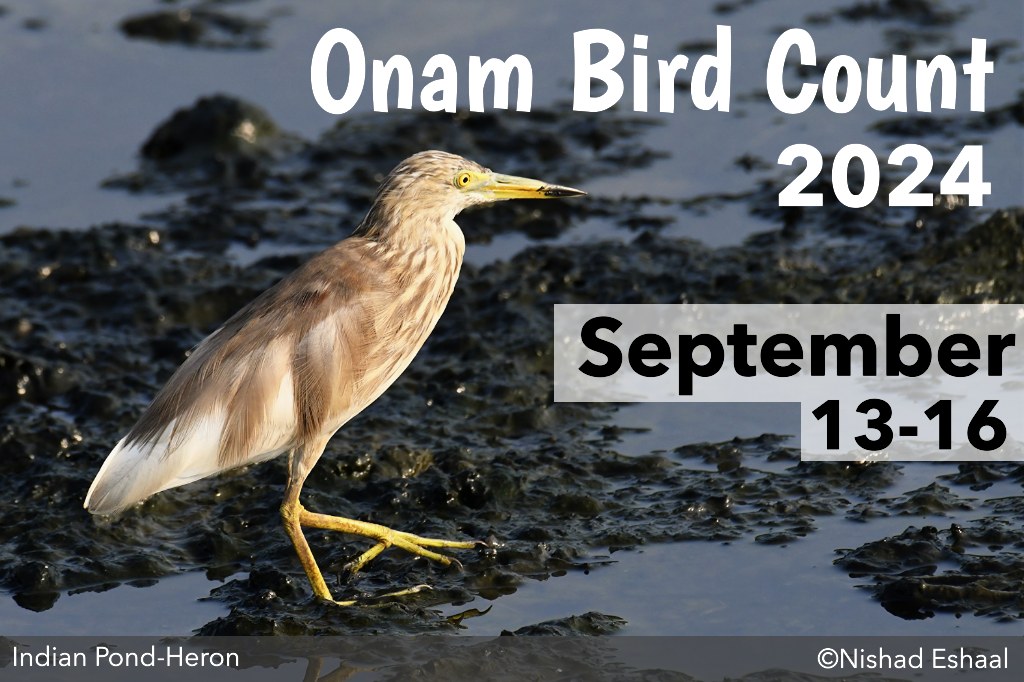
(468, 444)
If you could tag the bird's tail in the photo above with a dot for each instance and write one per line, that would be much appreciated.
(122, 480)
(136, 469)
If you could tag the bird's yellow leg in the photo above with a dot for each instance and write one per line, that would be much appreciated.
(385, 537)
(290, 513)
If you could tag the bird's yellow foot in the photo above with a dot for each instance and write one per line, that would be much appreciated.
(382, 599)
(295, 517)
(385, 537)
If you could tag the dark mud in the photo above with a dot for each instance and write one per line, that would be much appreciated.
(203, 25)
(468, 442)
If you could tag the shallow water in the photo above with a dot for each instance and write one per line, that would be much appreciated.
(729, 537)
(172, 605)
(734, 588)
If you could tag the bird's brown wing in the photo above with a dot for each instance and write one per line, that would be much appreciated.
(284, 368)
(315, 325)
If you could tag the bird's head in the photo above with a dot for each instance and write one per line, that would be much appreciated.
(438, 185)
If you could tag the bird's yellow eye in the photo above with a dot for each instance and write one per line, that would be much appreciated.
(462, 179)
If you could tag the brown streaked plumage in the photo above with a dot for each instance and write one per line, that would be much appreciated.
(292, 367)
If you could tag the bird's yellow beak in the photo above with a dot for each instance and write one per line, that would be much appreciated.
(511, 187)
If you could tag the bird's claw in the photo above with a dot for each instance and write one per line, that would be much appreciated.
(379, 600)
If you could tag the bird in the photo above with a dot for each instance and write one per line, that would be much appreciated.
(292, 367)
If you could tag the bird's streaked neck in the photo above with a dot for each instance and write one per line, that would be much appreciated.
(410, 226)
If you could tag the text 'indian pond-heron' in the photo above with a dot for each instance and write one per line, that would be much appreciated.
(307, 355)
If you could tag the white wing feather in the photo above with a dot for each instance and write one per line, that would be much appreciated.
(134, 472)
